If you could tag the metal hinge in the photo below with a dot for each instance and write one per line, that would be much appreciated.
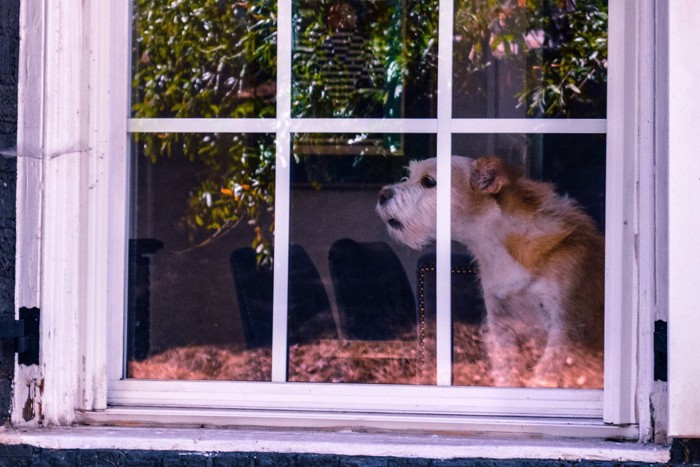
(660, 350)
(25, 332)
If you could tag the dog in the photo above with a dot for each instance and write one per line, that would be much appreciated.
(540, 259)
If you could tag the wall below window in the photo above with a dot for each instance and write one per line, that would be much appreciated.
(9, 50)
(30, 455)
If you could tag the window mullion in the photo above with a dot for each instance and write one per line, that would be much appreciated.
(282, 190)
(444, 152)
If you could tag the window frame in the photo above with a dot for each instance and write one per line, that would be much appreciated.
(74, 271)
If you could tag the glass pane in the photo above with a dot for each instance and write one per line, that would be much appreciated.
(535, 261)
(353, 304)
(201, 58)
(530, 58)
(364, 59)
(200, 279)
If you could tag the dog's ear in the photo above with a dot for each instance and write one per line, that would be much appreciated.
(491, 174)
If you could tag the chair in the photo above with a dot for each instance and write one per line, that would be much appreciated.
(467, 299)
(254, 293)
(374, 298)
(309, 312)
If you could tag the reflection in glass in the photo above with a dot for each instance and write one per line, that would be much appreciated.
(200, 58)
(574, 165)
(353, 313)
(200, 278)
(364, 59)
(534, 58)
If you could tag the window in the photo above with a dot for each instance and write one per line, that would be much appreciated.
(330, 159)
(255, 253)
(207, 207)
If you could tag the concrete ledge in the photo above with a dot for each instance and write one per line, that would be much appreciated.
(337, 443)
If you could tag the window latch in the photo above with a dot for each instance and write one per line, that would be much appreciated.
(25, 335)
(660, 350)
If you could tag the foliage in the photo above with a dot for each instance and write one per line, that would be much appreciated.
(209, 59)
(573, 74)
(561, 44)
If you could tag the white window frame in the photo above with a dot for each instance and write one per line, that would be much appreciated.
(72, 181)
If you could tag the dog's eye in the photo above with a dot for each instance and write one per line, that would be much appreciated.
(428, 182)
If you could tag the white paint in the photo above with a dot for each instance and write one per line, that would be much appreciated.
(684, 222)
(443, 244)
(360, 398)
(350, 443)
(105, 179)
(283, 169)
(621, 224)
(64, 219)
(657, 429)
(368, 125)
(651, 216)
(29, 190)
(528, 125)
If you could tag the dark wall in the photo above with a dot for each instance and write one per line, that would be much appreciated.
(9, 51)
(30, 456)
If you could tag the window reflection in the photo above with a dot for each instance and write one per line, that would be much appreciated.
(362, 281)
(204, 59)
(361, 306)
(364, 59)
(534, 58)
(200, 277)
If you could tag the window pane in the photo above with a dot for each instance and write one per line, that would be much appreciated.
(200, 58)
(200, 279)
(530, 58)
(364, 59)
(534, 260)
(353, 313)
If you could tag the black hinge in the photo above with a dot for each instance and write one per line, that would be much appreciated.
(660, 351)
(25, 332)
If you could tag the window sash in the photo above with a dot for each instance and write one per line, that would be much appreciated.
(444, 126)
(368, 125)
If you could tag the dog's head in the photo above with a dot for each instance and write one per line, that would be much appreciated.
(408, 208)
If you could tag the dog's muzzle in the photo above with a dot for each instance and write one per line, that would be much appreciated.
(384, 196)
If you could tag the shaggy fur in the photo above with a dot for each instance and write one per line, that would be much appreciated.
(540, 259)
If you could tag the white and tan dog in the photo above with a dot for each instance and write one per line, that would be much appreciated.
(540, 259)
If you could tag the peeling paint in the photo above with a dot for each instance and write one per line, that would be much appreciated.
(29, 390)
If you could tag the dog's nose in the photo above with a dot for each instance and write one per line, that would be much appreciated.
(385, 195)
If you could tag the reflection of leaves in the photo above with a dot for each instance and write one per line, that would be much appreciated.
(563, 46)
(237, 183)
(207, 58)
(574, 67)
(210, 58)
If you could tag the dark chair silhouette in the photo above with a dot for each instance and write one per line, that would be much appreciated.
(309, 312)
(139, 296)
(375, 300)
(254, 292)
(467, 299)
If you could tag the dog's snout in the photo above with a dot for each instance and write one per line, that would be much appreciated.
(385, 195)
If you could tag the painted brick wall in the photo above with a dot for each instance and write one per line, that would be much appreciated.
(9, 50)
(28, 455)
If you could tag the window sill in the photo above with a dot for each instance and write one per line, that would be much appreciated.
(344, 443)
